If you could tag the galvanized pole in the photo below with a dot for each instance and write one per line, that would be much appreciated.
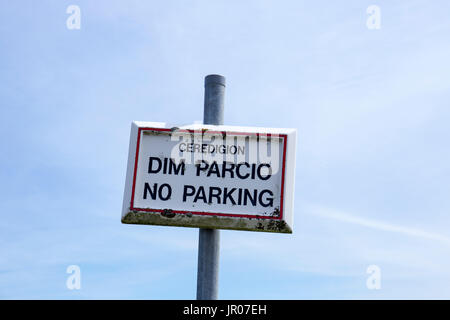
(209, 239)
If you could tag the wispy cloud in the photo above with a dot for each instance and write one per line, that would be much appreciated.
(378, 225)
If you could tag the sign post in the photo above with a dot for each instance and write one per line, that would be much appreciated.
(209, 239)
(210, 176)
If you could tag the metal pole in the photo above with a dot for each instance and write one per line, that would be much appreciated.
(209, 239)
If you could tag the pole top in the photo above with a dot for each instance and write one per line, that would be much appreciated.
(215, 79)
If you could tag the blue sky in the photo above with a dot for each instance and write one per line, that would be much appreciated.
(373, 160)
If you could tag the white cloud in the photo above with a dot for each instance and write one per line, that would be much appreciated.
(378, 225)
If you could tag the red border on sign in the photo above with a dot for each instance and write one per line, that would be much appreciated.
(206, 213)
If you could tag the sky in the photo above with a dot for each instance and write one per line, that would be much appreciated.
(371, 108)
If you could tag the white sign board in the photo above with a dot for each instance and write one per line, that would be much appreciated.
(207, 176)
